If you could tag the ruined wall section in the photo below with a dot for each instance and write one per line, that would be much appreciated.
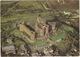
(53, 24)
(47, 30)
(23, 28)
(39, 30)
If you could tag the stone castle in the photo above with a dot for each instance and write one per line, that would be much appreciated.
(41, 28)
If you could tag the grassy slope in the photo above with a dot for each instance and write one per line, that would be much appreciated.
(38, 43)
(16, 33)
(7, 2)
(15, 13)
(59, 36)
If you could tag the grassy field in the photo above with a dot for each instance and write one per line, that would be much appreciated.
(7, 2)
(20, 10)
(24, 17)
(59, 36)
(38, 43)
(16, 33)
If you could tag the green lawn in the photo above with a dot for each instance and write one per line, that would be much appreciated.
(38, 43)
(59, 36)
(16, 33)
